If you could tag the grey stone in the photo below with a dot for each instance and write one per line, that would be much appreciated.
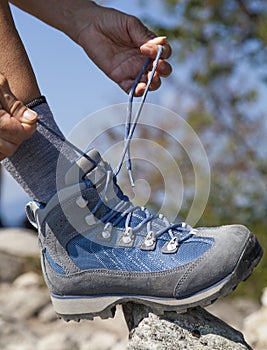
(10, 267)
(255, 326)
(57, 341)
(15, 335)
(28, 280)
(18, 248)
(264, 297)
(47, 314)
(196, 329)
(102, 341)
(19, 347)
(24, 303)
(119, 346)
(19, 242)
(234, 310)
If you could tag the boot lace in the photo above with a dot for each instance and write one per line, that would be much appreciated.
(177, 232)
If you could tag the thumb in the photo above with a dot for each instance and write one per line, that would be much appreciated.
(150, 48)
(140, 34)
(13, 106)
(146, 40)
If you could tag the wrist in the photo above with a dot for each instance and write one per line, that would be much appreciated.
(77, 17)
(68, 16)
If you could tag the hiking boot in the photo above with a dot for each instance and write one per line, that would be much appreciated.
(99, 250)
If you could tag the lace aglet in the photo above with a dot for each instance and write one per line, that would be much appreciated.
(130, 173)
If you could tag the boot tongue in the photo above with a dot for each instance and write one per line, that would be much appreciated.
(95, 169)
(83, 166)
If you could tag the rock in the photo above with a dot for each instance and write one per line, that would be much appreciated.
(21, 346)
(23, 302)
(15, 335)
(19, 242)
(264, 297)
(234, 310)
(10, 267)
(18, 250)
(25, 305)
(116, 325)
(119, 346)
(47, 314)
(255, 327)
(28, 280)
(196, 329)
(57, 341)
(102, 341)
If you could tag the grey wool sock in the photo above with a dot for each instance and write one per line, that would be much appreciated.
(35, 164)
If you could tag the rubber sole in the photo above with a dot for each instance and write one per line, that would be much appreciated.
(88, 307)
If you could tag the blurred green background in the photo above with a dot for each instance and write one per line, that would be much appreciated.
(219, 49)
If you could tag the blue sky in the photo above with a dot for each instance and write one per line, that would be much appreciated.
(73, 85)
(75, 88)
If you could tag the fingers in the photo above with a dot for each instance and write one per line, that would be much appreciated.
(12, 130)
(140, 89)
(164, 69)
(23, 114)
(155, 84)
(17, 122)
(15, 108)
(127, 85)
(141, 86)
(7, 149)
(150, 48)
(156, 81)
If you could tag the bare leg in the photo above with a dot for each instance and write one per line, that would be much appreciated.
(14, 62)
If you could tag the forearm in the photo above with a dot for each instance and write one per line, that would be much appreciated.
(116, 42)
(14, 62)
(68, 16)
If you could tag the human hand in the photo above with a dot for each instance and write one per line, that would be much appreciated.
(119, 45)
(17, 122)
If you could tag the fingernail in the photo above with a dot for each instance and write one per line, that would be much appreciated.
(159, 40)
(28, 115)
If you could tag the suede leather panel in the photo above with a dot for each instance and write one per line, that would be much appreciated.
(218, 262)
(99, 282)
(211, 267)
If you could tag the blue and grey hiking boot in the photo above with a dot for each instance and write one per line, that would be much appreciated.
(99, 250)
